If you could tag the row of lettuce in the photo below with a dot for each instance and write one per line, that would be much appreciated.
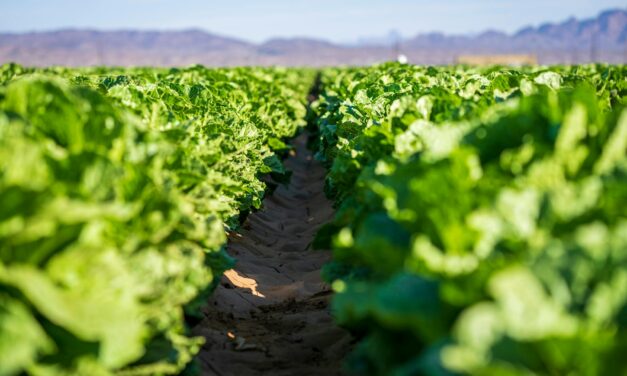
(481, 225)
(117, 187)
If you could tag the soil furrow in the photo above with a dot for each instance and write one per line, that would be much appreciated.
(270, 314)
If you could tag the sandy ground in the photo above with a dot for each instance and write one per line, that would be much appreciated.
(270, 315)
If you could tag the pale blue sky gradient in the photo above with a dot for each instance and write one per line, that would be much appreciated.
(335, 20)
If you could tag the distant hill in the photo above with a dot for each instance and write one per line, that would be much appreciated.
(125, 47)
(603, 38)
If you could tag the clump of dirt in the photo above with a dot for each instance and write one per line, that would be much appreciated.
(270, 314)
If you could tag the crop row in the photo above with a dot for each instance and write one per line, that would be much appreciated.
(481, 225)
(116, 188)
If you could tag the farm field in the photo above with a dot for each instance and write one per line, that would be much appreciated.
(392, 219)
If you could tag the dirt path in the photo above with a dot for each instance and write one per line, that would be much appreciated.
(270, 314)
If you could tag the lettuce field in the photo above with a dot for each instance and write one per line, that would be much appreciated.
(480, 223)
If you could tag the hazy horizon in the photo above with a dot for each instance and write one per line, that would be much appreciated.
(345, 22)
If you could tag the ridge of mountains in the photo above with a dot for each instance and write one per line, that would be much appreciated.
(603, 38)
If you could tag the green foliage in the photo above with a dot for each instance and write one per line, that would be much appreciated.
(481, 224)
(116, 188)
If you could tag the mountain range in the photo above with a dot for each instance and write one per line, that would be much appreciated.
(603, 38)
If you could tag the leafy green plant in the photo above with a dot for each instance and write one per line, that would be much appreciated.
(480, 227)
(116, 189)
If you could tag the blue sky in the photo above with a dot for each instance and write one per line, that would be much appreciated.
(257, 20)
